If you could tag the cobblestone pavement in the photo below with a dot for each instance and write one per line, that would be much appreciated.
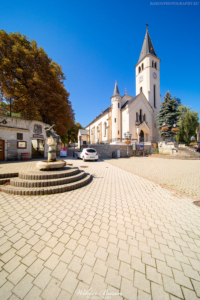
(121, 235)
(180, 175)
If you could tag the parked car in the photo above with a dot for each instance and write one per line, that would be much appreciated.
(88, 154)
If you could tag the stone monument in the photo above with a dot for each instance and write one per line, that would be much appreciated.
(52, 142)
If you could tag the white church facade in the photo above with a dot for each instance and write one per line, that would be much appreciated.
(136, 115)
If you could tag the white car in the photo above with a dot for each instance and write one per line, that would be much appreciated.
(88, 154)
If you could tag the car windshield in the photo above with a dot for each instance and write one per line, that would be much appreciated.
(91, 150)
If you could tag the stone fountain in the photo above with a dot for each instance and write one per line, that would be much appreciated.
(52, 141)
(52, 177)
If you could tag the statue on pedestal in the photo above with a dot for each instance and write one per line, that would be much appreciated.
(52, 141)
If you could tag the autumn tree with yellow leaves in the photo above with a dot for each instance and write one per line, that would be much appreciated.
(34, 82)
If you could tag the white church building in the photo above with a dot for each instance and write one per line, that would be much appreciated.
(133, 114)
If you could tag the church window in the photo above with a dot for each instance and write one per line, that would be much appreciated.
(140, 115)
(118, 131)
(154, 95)
(139, 69)
(155, 65)
(115, 120)
(141, 89)
(118, 105)
(144, 117)
(136, 117)
(142, 66)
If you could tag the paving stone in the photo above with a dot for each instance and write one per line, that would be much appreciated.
(70, 282)
(141, 282)
(36, 267)
(60, 271)
(189, 295)
(196, 285)
(34, 294)
(153, 275)
(23, 287)
(52, 290)
(100, 267)
(181, 279)
(158, 293)
(17, 274)
(113, 278)
(5, 291)
(171, 287)
(43, 278)
(128, 291)
(3, 275)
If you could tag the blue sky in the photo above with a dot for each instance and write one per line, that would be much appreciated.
(97, 42)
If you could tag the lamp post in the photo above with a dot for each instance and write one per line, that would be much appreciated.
(174, 125)
(127, 136)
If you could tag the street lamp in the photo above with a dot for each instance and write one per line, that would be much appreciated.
(127, 136)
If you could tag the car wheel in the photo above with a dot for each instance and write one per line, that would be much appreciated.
(96, 159)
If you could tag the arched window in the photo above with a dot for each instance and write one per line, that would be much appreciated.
(142, 66)
(155, 65)
(105, 129)
(141, 89)
(136, 117)
(144, 117)
(140, 115)
(154, 95)
(139, 69)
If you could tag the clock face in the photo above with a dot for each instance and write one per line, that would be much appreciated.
(140, 78)
(154, 75)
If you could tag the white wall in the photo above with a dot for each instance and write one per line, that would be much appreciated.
(94, 125)
(14, 125)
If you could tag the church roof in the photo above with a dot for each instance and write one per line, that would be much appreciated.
(147, 47)
(116, 90)
(129, 101)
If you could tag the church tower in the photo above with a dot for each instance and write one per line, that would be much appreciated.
(116, 106)
(148, 74)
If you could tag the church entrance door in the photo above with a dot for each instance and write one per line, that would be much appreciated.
(141, 136)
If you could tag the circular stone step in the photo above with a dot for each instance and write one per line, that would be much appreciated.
(19, 182)
(9, 175)
(9, 189)
(38, 175)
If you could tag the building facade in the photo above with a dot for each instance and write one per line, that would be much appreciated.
(19, 136)
(136, 115)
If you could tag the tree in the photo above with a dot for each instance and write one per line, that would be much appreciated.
(34, 81)
(168, 115)
(72, 134)
(188, 123)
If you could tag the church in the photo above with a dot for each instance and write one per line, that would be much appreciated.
(133, 114)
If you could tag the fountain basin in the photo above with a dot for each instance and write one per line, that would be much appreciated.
(46, 165)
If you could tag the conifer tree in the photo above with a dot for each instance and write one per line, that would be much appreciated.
(168, 115)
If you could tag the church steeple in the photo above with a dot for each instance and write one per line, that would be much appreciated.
(147, 47)
(116, 90)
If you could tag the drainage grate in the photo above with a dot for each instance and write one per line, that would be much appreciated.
(197, 203)
(83, 166)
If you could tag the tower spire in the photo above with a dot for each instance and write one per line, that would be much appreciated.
(116, 90)
(147, 47)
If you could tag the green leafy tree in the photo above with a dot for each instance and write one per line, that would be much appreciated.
(188, 123)
(33, 81)
(72, 134)
(168, 115)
